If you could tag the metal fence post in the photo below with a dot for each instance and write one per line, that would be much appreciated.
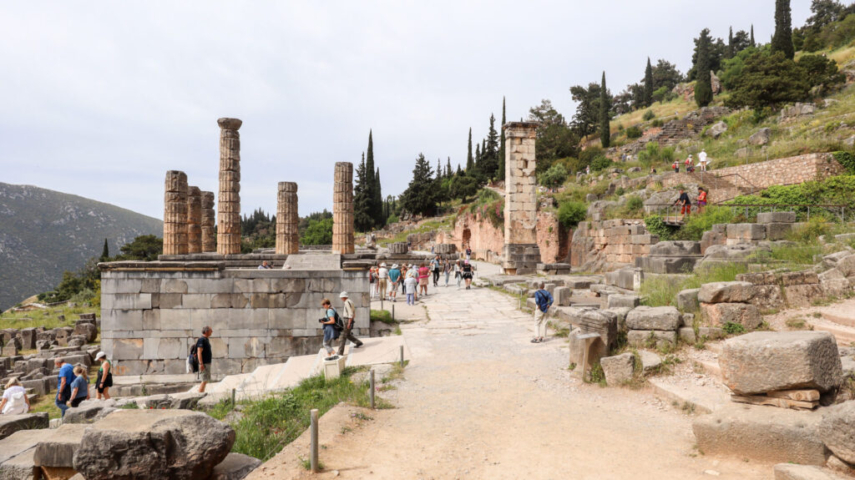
(314, 446)
(371, 392)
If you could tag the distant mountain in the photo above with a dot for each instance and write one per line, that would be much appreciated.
(43, 233)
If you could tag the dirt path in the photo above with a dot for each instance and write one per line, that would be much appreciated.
(482, 402)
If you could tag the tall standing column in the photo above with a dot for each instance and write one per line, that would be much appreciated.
(287, 220)
(209, 236)
(521, 253)
(194, 220)
(343, 209)
(228, 207)
(175, 214)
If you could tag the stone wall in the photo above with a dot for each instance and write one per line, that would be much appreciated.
(783, 171)
(153, 312)
(609, 244)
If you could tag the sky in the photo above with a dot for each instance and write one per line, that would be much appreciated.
(101, 98)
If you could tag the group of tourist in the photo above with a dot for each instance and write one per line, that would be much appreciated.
(690, 163)
(685, 203)
(413, 280)
(336, 326)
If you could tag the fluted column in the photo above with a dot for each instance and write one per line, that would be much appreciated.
(175, 214)
(287, 220)
(209, 237)
(343, 209)
(194, 220)
(228, 206)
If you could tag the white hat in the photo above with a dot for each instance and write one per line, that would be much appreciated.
(383, 264)
(100, 355)
(394, 265)
(343, 295)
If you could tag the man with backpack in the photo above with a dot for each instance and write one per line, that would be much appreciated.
(203, 357)
(543, 300)
(333, 326)
(349, 313)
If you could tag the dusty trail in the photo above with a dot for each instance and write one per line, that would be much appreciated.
(482, 402)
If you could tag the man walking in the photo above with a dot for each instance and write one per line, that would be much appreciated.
(543, 300)
(349, 312)
(434, 268)
(204, 357)
(63, 386)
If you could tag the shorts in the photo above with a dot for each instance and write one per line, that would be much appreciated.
(206, 373)
(77, 401)
(423, 281)
(686, 209)
(702, 203)
(107, 383)
(467, 276)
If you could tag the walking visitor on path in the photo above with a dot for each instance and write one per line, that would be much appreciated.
(543, 300)
(468, 274)
(424, 274)
(331, 332)
(104, 380)
(204, 357)
(346, 335)
(382, 280)
(63, 386)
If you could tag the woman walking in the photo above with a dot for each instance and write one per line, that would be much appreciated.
(458, 275)
(424, 274)
(446, 269)
(104, 380)
(80, 386)
(468, 273)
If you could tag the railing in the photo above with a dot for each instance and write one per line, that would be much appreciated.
(838, 211)
(670, 212)
(713, 179)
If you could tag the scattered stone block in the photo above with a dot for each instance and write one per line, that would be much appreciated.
(10, 424)
(59, 449)
(87, 330)
(762, 434)
(760, 137)
(833, 283)
(586, 349)
(776, 217)
(147, 440)
(745, 232)
(840, 466)
(837, 430)
(629, 301)
(726, 292)
(594, 321)
(645, 338)
(687, 300)
(687, 334)
(761, 362)
(236, 466)
(649, 361)
(89, 411)
(619, 313)
(744, 314)
(618, 369)
(562, 296)
(654, 318)
(778, 231)
(790, 471)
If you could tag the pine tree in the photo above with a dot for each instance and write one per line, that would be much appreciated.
(470, 160)
(782, 41)
(477, 162)
(703, 87)
(105, 253)
(500, 171)
(362, 219)
(752, 43)
(605, 129)
(648, 84)
(379, 220)
(448, 168)
(420, 196)
(730, 46)
(438, 170)
(490, 153)
(459, 171)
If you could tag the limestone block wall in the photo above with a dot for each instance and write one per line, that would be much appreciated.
(784, 171)
(610, 244)
(152, 313)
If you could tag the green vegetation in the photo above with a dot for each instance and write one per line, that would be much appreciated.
(830, 191)
(383, 316)
(732, 328)
(662, 290)
(571, 213)
(605, 115)
(654, 154)
(696, 225)
(318, 232)
(555, 176)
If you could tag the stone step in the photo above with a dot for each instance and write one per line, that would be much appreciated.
(844, 335)
(840, 319)
(711, 367)
(706, 399)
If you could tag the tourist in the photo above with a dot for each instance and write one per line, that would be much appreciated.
(424, 274)
(382, 280)
(446, 269)
(410, 285)
(349, 314)
(104, 380)
(702, 160)
(543, 300)
(434, 268)
(458, 274)
(404, 273)
(587, 171)
(394, 278)
(676, 166)
(372, 280)
(15, 400)
(685, 203)
(331, 333)
(702, 199)
(204, 357)
(468, 273)
(264, 266)
(653, 170)
(63, 386)
(689, 162)
(468, 253)
(80, 386)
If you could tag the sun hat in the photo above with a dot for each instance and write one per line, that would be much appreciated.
(343, 295)
(394, 266)
(383, 264)
(100, 355)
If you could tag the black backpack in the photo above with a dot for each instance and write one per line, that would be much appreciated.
(339, 323)
(193, 359)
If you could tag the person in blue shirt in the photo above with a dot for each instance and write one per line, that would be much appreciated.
(394, 278)
(543, 300)
(331, 333)
(80, 386)
(63, 384)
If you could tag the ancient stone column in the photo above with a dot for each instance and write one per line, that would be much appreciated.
(175, 214)
(228, 206)
(521, 254)
(343, 209)
(194, 220)
(287, 220)
(209, 237)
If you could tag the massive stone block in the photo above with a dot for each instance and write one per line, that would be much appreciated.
(745, 232)
(776, 217)
(837, 431)
(343, 209)
(744, 314)
(521, 254)
(228, 206)
(618, 369)
(654, 318)
(726, 292)
(10, 424)
(762, 362)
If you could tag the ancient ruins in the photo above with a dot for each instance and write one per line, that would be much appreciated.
(521, 253)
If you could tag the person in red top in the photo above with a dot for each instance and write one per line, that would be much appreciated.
(688, 162)
(676, 166)
(702, 200)
(424, 273)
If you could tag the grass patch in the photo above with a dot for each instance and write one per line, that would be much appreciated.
(598, 376)
(798, 323)
(383, 316)
(46, 404)
(48, 318)
(732, 328)
(662, 290)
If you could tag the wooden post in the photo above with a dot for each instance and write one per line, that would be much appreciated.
(314, 433)
(233, 397)
(402, 356)
(371, 392)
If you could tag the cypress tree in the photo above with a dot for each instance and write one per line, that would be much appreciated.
(703, 87)
(420, 197)
(370, 181)
(477, 157)
(105, 252)
(605, 129)
(648, 84)
(459, 170)
(470, 160)
(500, 171)
(448, 168)
(363, 221)
(752, 42)
(730, 46)
(782, 41)
(379, 221)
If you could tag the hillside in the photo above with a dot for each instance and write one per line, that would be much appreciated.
(43, 233)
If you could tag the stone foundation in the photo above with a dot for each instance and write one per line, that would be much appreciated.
(610, 244)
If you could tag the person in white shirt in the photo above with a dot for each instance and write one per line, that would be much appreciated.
(410, 286)
(15, 401)
(347, 335)
(702, 160)
(383, 279)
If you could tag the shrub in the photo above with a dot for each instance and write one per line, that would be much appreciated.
(653, 153)
(571, 213)
(847, 160)
(633, 132)
(768, 80)
(601, 163)
(555, 176)
(589, 154)
(634, 202)
(656, 123)
(658, 227)
(620, 191)
(648, 115)
(732, 328)
(696, 225)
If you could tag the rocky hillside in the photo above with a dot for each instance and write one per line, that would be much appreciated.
(43, 233)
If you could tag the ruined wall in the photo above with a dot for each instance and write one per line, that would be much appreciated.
(784, 171)
(153, 312)
(609, 244)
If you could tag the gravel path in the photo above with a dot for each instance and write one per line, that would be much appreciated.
(481, 402)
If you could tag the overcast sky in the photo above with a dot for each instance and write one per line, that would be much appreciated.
(101, 98)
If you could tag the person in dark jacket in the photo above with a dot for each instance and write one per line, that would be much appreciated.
(543, 300)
